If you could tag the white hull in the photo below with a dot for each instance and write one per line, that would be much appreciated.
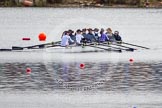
(77, 49)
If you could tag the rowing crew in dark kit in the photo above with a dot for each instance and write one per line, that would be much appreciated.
(89, 36)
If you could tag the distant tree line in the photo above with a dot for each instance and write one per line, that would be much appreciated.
(105, 2)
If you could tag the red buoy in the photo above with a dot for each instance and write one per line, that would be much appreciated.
(28, 70)
(42, 37)
(131, 60)
(26, 39)
(82, 65)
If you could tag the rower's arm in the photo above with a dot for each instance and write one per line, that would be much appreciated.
(71, 39)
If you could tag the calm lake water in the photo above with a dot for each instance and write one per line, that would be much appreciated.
(108, 80)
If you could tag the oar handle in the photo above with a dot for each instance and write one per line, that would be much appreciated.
(5, 49)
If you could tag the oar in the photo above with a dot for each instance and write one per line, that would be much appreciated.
(34, 46)
(43, 45)
(122, 46)
(17, 48)
(5, 49)
(128, 49)
(135, 45)
(92, 45)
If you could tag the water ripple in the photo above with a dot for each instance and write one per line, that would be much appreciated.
(100, 76)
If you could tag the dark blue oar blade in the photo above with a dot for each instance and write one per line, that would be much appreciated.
(17, 48)
(5, 49)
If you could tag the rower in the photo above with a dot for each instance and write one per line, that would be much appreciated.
(110, 35)
(96, 33)
(79, 37)
(90, 36)
(65, 40)
(103, 37)
(72, 36)
(117, 36)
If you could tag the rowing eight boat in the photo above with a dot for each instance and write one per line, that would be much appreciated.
(82, 48)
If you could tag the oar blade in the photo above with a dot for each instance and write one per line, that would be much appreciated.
(130, 49)
(120, 51)
(5, 49)
(17, 48)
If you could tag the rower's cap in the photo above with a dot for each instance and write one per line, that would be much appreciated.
(66, 32)
(78, 30)
(109, 29)
(84, 29)
(102, 29)
(70, 31)
(90, 29)
(96, 29)
(116, 32)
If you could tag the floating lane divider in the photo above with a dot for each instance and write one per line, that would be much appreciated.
(135, 45)
(108, 45)
(40, 46)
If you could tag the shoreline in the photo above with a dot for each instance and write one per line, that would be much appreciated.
(84, 6)
(77, 6)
